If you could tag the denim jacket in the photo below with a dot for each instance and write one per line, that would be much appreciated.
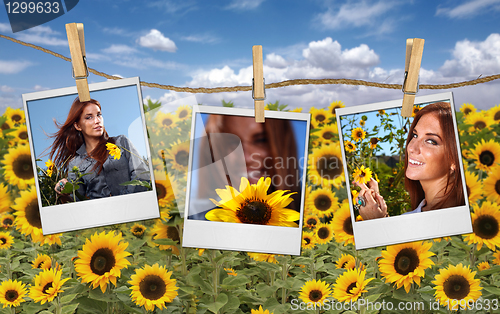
(115, 171)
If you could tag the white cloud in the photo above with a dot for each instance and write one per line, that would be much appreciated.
(204, 39)
(275, 61)
(244, 4)
(174, 6)
(145, 63)
(11, 67)
(42, 35)
(4, 27)
(119, 49)
(6, 89)
(470, 8)
(155, 40)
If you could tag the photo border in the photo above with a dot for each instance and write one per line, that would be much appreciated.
(95, 212)
(412, 227)
(240, 236)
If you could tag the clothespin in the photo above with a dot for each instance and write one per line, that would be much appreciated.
(76, 43)
(258, 84)
(414, 50)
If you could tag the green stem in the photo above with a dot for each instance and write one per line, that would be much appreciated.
(472, 255)
(284, 273)
(58, 305)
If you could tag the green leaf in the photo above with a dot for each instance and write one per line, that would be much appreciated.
(97, 294)
(138, 182)
(234, 281)
(68, 298)
(232, 304)
(69, 309)
(219, 303)
(264, 290)
(165, 242)
(198, 281)
(493, 290)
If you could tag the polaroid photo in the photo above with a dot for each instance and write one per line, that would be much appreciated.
(405, 175)
(76, 191)
(246, 180)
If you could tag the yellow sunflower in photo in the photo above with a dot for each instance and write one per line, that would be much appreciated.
(50, 167)
(405, 263)
(260, 311)
(325, 166)
(5, 200)
(323, 233)
(485, 226)
(362, 174)
(346, 261)
(252, 205)
(322, 202)
(183, 113)
(358, 134)
(416, 109)
(311, 221)
(7, 125)
(152, 286)
(42, 261)
(179, 155)
(230, 272)
(315, 291)
(492, 185)
(138, 230)
(6, 220)
(114, 151)
(101, 259)
(473, 186)
(373, 142)
(28, 215)
(166, 121)
(16, 116)
(456, 283)
(308, 240)
(328, 133)
(263, 257)
(350, 285)
(12, 293)
(20, 135)
(335, 105)
(486, 155)
(483, 266)
(349, 146)
(163, 231)
(468, 109)
(18, 167)
(319, 117)
(342, 225)
(6, 240)
(494, 113)
(479, 121)
(164, 190)
(496, 255)
(48, 284)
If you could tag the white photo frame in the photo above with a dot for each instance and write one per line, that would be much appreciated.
(408, 227)
(122, 107)
(202, 233)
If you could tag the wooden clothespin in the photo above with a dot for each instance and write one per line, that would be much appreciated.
(258, 88)
(414, 50)
(76, 43)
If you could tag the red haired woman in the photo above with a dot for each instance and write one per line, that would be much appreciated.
(81, 143)
(432, 178)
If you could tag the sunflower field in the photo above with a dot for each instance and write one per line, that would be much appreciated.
(140, 267)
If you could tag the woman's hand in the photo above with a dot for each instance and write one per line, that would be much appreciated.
(60, 186)
(375, 206)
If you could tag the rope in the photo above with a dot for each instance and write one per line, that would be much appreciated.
(271, 85)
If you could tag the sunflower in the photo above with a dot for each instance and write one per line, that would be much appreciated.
(358, 134)
(494, 113)
(7, 125)
(362, 174)
(12, 293)
(164, 191)
(349, 146)
(315, 292)
(350, 285)
(18, 167)
(322, 202)
(5, 200)
(485, 225)
(7, 220)
(152, 286)
(486, 154)
(468, 109)
(138, 230)
(298, 109)
(483, 266)
(342, 225)
(183, 112)
(308, 240)
(260, 311)
(319, 117)
(101, 259)
(335, 105)
(311, 221)
(114, 151)
(48, 284)
(492, 185)
(42, 261)
(179, 155)
(346, 261)
(6, 240)
(28, 215)
(50, 167)
(496, 255)
(474, 187)
(405, 263)
(381, 112)
(20, 135)
(230, 272)
(263, 257)
(324, 233)
(373, 142)
(416, 109)
(166, 120)
(478, 121)
(16, 116)
(325, 165)
(454, 284)
(328, 132)
(253, 205)
(163, 231)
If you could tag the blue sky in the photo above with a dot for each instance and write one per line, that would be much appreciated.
(209, 44)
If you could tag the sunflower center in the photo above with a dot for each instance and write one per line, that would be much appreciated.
(362, 174)
(323, 202)
(11, 295)
(497, 187)
(467, 111)
(183, 113)
(5, 126)
(254, 212)
(138, 230)
(102, 261)
(416, 110)
(22, 167)
(23, 135)
(323, 233)
(47, 287)
(487, 158)
(320, 118)
(485, 226)
(374, 140)
(33, 214)
(3, 240)
(496, 117)
(456, 287)
(315, 295)
(312, 222)
(161, 191)
(307, 240)
(329, 166)
(327, 135)
(173, 233)
(351, 286)
(182, 158)
(406, 261)
(7, 222)
(167, 122)
(347, 226)
(480, 125)
(152, 287)
(359, 134)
